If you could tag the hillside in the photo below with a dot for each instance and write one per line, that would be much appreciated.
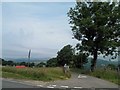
(101, 62)
(36, 60)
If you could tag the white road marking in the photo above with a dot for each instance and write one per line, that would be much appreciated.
(40, 85)
(53, 85)
(84, 76)
(77, 87)
(64, 86)
(80, 76)
(49, 87)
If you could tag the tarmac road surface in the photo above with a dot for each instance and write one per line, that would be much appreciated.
(76, 81)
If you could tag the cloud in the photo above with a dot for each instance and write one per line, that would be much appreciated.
(0, 29)
(29, 27)
(37, 0)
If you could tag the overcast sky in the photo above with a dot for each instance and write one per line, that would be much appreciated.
(42, 27)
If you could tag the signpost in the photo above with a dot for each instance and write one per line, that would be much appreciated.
(29, 58)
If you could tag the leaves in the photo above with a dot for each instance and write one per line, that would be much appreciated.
(97, 25)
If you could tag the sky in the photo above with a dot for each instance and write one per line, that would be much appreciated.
(0, 29)
(42, 27)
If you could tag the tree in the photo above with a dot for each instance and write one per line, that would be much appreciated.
(31, 64)
(10, 63)
(65, 55)
(52, 62)
(41, 64)
(79, 60)
(111, 66)
(23, 63)
(97, 26)
(4, 63)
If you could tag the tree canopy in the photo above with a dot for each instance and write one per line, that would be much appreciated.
(79, 60)
(52, 62)
(97, 26)
(65, 55)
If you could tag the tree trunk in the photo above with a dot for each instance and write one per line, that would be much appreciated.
(93, 64)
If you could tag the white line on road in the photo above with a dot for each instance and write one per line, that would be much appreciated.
(49, 87)
(40, 85)
(64, 86)
(80, 76)
(77, 87)
(53, 85)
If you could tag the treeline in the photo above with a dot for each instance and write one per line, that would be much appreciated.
(67, 55)
(12, 63)
(31, 64)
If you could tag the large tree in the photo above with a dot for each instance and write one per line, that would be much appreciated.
(79, 60)
(65, 55)
(52, 62)
(97, 26)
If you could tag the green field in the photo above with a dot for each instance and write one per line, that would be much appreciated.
(43, 74)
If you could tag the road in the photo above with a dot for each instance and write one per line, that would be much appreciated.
(76, 81)
(83, 81)
(14, 84)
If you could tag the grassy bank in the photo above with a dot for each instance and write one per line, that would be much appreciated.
(109, 75)
(43, 74)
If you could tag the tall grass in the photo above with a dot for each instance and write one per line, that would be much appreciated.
(110, 75)
(44, 74)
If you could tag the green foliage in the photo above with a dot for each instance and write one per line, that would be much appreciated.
(31, 64)
(110, 75)
(111, 66)
(52, 62)
(79, 60)
(23, 63)
(41, 64)
(65, 55)
(10, 63)
(44, 74)
(97, 26)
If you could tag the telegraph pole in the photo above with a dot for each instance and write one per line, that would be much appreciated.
(29, 53)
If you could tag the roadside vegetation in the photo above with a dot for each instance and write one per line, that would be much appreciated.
(106, 74)
(110, 75)
(43, 74)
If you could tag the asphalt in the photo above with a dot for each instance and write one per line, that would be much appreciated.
(83, 81)
(14, 84)
(76, 81)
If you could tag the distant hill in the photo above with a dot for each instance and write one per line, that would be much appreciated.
(35, 60)
(100, 63)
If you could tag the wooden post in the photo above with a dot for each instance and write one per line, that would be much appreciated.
(29, 58)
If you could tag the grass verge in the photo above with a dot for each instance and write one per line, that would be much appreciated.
(109, 75)
(43, 74)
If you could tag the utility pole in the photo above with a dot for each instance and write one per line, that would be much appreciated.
(119, 54)
(29, 53)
